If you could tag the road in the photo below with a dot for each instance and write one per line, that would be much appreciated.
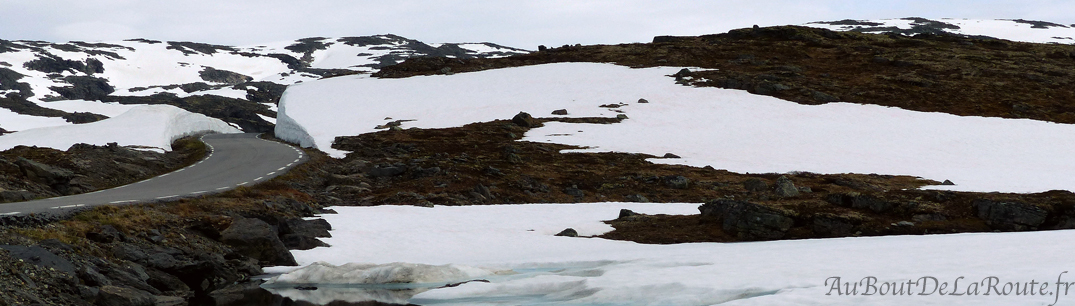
(234, 160)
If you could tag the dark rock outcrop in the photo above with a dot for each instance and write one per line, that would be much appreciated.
(524, 119)
(122, 296)
(747, 220)
(1011, 216)
(568, 232)
(256, 239)
(39, 256)
(210, 74)
(84, 88)
(785, 187)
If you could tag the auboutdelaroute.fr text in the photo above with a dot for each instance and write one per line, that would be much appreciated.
(960, 286)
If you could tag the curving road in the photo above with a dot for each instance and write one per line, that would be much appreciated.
(234, 160)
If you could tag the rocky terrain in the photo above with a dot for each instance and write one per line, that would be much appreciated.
(236, 84)
(932, 72)
(30, 172)
(203, 251)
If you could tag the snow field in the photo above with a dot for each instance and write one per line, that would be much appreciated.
(726, 129)
(144, 125)
(551, 270)
(1003, 29)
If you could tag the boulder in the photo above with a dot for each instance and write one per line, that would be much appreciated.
(755, 185)
(39, 256)
(312, 228)
(16, 195)
(165, 282)
(748, 221)
(524, 119)
(626, 213)
(1011, 216)
(104, 234)
(123, 296)
(301, 242)
(785, 187)
(43, 173)
(569, 232)
(560, 112)
(257, 239)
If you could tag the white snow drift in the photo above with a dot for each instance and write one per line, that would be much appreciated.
(1044, 32)
(147, 125)
(549, 270)
(723, 128)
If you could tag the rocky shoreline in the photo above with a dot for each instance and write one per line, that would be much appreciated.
(195, 252)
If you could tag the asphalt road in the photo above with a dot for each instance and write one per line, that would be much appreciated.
(234, 160)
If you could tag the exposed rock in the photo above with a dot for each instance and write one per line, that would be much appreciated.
(676, 181)
(621, 116)
(524, 120)
(83, 117)
(92, 277)
(257, 239)
(755, 185)
(16, 195)
(928, 217)
(312, 228)
(169, 301)
(833, 226)
(301, 242)
(385, 171)
(626, 213)
(44, 173)
(484, 191)
(948, 183)
(209, 74)
(856, 200)
(747, 220)
(569, 232)
(165, 282)
(39, 256)
(122, 296)
(129, 275)
(1014, 216)
(574, 191)
(637, 198)
(670, 155)
(84, 88)
(104, 234)
(560, 112)
(785, 187)
(643, 101)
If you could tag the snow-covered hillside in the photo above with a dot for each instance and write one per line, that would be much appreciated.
(1010, 29)
(723, 128)
(237, 84)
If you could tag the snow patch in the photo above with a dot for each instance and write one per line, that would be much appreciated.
(144, 125)
(724, 128)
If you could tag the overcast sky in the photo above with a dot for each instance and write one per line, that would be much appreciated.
(523, 24)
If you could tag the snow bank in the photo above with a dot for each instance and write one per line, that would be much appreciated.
(397, 273)
(726, 129)
(553, 270)
(1003, 29)
(146, 125)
